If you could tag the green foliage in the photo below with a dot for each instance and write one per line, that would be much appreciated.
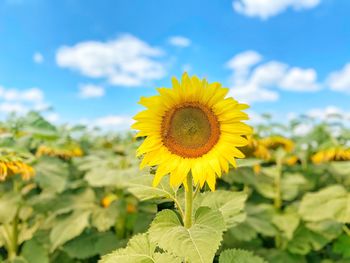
(332, 202)
(34, 252)
(91, 243)
(197, 244)
(78, 209)
(342, 245)
(230, 204)
(139, 250)
(239, 256)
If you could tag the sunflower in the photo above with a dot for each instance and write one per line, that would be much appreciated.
(256, 149)
(9, 168)
(191, 127)
(291, 160)
(331, 154)
(65, 152)
(108, 199)
(275, 142)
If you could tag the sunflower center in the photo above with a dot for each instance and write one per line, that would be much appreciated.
(190, 130)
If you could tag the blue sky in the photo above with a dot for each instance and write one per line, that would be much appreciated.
(92, 60)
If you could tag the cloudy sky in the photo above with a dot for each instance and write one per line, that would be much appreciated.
(90, 61)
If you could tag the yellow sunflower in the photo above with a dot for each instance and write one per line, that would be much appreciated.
(275, 142)
(9, 168)
(191, 127)
(65, 152)
(256, 149)
(331, 154)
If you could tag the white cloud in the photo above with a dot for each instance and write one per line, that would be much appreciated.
(30, 95)
(340, 80)
(298, 79)
(180, 41)
(125, 61)
(38, 58)
(91, 91)
(52, 117)
(21, 101)
(303, 129)
(7, 107)
(252, 81)
(268, 8)
(328, 112)
(244, 60)
(252, 93)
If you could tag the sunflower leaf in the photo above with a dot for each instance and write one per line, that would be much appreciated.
(196, 244)
(142, 188)
(332, 202)
(239, 256)
(139, 250)
(230, 204)
(69, 228)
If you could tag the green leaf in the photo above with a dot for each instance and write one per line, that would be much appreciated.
(104, 218)
(69, 228)
(34, 252)
(332, 202)
(287, 222)
(280, 256)
(51, 174)
(9, 204)
(259, 217)
(139, 250)
(258, 221)
(342, 245)
(141, 187)
(198, 243)
(38, 126)
(110, 176)
(313, 236)
(248, 162)
(230, 204)
(91, 243)
(291, 185)
(239, 256)
(82, 199)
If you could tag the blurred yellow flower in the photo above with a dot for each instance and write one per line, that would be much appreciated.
(275, 142)
(61, 152)
(108, 199)
(255, 149)
(191, 127)
(331, 154)
(9, 168)
(291, 160)
(257, 169)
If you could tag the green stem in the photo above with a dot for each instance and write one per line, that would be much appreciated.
(15, 235)
(189, 202)
(13, 229)
(278, 197)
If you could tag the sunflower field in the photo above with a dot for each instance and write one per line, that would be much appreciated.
(74, 194)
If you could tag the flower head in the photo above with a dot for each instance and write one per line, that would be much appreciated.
(12, 165)
(275, 142)
(331, 154)
(65, 152)
(191, 127)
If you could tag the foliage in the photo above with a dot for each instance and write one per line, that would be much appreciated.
(89, 202)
